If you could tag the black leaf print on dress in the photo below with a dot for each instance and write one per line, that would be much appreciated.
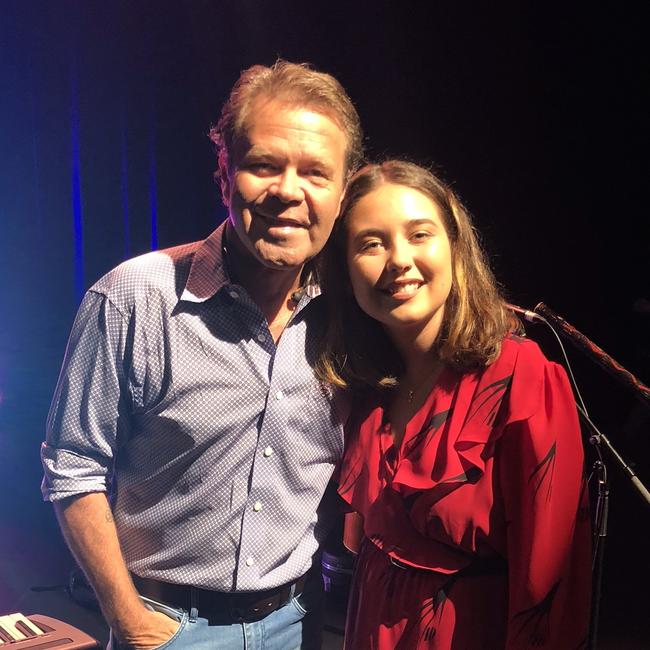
(409, 500)
(434, 607)
(347, 481)
(388, 579)
(434, 423)
(444, 488)
(472, 475)
(543, 471)
(388, 465)
(494, 393)
(427, 615)
(535, 619)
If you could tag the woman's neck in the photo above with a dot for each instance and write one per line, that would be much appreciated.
(415, 385)
(417, 350)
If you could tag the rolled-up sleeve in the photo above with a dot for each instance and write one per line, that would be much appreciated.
(89, 412)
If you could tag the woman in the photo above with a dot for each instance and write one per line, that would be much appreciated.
(463, 451)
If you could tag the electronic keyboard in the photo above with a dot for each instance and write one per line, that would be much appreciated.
(38, 632)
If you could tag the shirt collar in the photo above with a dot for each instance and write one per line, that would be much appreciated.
(208, 272)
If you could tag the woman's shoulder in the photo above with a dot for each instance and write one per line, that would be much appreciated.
(521, 359)
(519, 350)
(530, 375)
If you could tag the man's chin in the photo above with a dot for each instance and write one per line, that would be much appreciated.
(282, 264)
(273, 257)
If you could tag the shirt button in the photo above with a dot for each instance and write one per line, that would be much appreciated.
(250, 561)
(268, 451)
(257, 506)
(279, 395)
(233, 294)
(261, 338)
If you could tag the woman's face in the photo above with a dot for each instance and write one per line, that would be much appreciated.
(399, 259)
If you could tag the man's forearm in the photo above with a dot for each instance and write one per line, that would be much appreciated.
(89, 529)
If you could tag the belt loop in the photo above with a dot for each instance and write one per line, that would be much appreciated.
(194, 612)
(298, 586)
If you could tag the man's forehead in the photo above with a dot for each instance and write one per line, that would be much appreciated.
(307, 114)
(274, 131)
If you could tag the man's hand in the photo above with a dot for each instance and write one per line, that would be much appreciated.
(151, 630)
(88, 526)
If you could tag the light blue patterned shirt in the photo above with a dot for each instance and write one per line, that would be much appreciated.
(216, 444)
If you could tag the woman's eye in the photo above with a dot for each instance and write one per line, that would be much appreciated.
(370, 246)
(421, 235)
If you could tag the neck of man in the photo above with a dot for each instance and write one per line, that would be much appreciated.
(270, 289)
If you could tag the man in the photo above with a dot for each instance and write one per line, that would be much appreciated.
(187, 393)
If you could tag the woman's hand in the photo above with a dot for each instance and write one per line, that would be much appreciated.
(352, 531)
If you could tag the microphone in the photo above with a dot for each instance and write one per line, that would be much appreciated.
(528, 315)
(297, 295)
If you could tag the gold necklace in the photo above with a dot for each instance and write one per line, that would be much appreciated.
(426, 382)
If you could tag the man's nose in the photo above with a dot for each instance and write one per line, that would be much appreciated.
(287, 187)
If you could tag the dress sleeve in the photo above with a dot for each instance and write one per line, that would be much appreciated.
(89, 411)
(541, 478)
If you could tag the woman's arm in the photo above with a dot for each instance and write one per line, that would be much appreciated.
(548, 533)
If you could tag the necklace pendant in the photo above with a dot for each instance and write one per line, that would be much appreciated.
(410, 396)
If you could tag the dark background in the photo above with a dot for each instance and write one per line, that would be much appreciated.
(536, 112)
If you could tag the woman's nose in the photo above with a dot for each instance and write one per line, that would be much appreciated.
(399, 257)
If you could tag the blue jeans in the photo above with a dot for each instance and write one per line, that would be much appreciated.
(295, 626)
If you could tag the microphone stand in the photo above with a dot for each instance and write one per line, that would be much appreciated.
(640, 390)
(599, 441)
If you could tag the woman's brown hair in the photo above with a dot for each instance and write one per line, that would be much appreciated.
(357, 352)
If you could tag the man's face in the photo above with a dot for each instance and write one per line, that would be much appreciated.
(284, 184)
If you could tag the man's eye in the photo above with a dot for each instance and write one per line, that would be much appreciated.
(315, 172)
(261, 167)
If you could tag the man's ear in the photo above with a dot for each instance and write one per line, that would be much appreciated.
(224, 178)
(341, 199)
(224, 181)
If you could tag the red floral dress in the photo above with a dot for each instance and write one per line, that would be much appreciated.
(477, 528)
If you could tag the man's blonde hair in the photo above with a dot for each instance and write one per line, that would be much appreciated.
(295, 83)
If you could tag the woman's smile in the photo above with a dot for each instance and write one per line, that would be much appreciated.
(399, 258)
